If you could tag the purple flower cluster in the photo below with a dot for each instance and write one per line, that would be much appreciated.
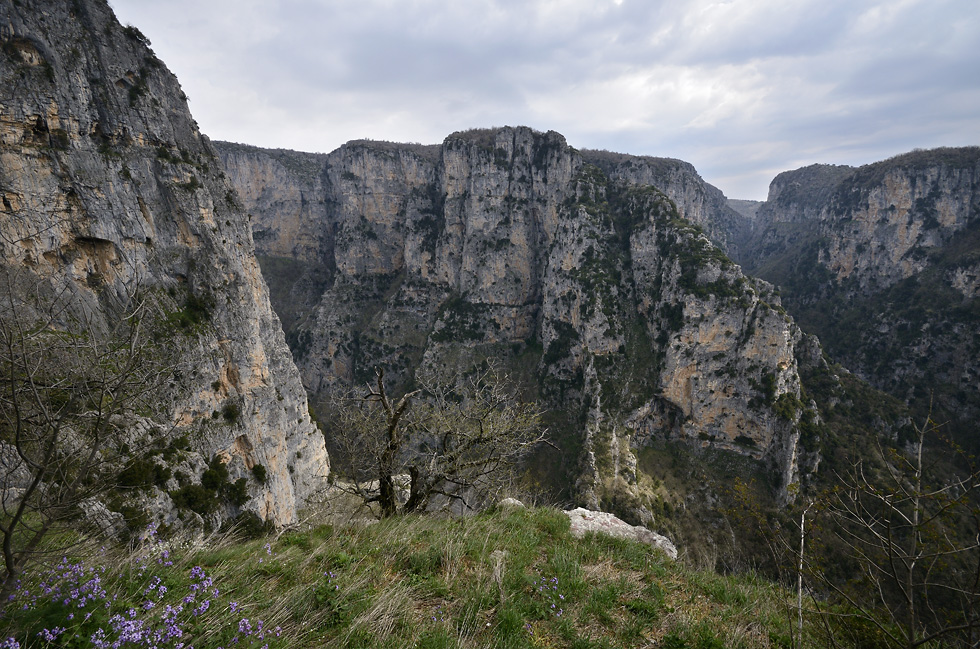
(547, 589)
(248, 633)
(268, 550)
(438, 615)
(162, 617)
(67, 582)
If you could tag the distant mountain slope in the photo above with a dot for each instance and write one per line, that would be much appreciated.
(882, 262)
(105, 181)
(600, 292)
(748, 209)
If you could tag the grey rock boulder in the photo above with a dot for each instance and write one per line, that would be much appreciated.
(585, 521)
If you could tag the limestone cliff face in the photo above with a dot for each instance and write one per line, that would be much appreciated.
(881, 262)
(106, 181)
(896, 215)
(604, 302)
(286, 194)
(789, 216)
(878, 222)
(696, 200)
(800, 196)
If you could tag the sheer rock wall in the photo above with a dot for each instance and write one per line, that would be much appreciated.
(106, 182)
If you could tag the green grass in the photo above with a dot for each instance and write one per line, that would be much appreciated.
(429, 581)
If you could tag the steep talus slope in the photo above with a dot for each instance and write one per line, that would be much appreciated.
(882, 262)
(600, 297)
(106, 183)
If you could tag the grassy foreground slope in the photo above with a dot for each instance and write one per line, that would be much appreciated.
(500, 579)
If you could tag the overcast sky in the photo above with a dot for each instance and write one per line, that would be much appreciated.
(742, 89)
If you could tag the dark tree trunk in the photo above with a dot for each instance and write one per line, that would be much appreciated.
(387, 498)
(421, 489)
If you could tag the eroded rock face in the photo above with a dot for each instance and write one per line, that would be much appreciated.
(880, 262)
(878, 222)
(105, 180)
(893, 221)
(596, 292)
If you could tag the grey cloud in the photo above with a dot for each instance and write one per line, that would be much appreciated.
(741, 89)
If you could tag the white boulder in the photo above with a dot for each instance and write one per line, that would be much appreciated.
(585, 520)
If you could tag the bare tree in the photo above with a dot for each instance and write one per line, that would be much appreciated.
(452, 438)
(785, 535)
(913, 533)
(80, 399)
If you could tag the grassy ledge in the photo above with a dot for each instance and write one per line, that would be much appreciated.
(500, 579)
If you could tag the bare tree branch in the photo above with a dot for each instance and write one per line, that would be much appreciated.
(71, 391)
(452, 434)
